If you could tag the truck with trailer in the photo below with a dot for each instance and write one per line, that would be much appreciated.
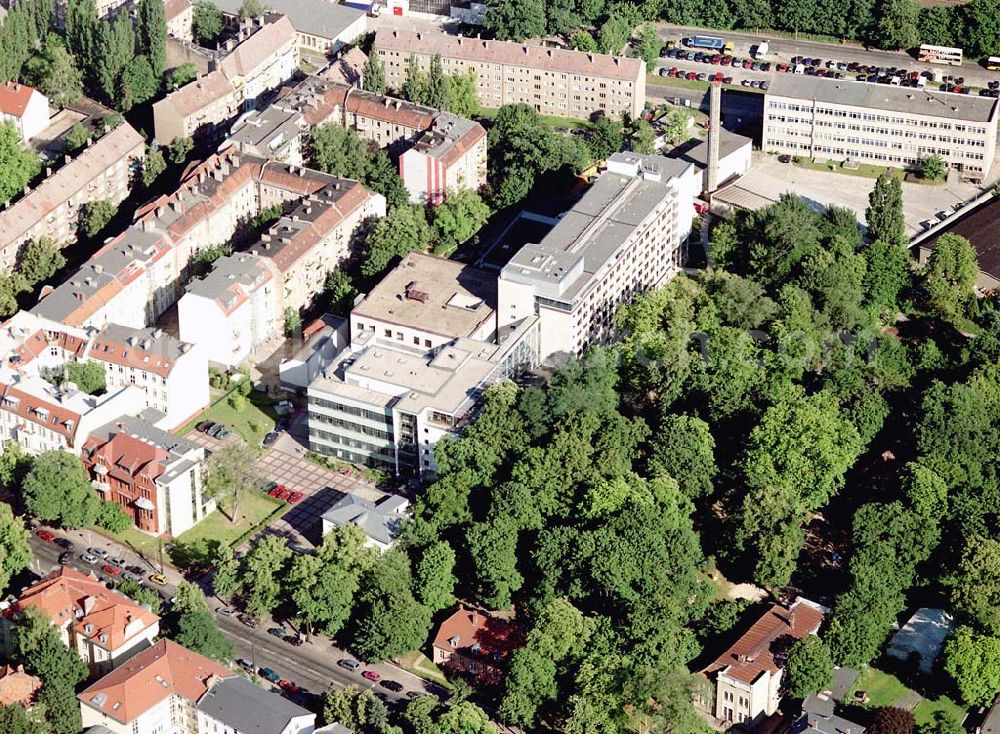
(711, 43)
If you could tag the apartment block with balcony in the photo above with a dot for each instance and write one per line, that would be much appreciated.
(101, 171)
(155, 476)
(554, 81)
(104, 627)
(628, 234)
(879, 124)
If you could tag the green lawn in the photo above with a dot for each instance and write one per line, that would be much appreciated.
(255, 508)
(882, 689)
(864, 170)
(550, 120)
(252, 423)
(925, 710)
(666, 81)
(421, 666)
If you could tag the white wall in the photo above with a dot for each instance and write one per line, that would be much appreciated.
(35, 117)
(204, 323)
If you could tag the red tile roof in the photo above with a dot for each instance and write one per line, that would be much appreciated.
(511, 54)
(465, 629)
(14, 98)
(39, 411)
(67, 596)
(18, 687)
(153, 675)
(768, 640)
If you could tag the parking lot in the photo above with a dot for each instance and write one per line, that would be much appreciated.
(756, 72)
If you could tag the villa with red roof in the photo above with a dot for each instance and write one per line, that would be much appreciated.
(169, 689)
(748, 676)
(476, 643)
(106, 628)
(25, 108)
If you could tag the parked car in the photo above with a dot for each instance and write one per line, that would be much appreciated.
(245, 664)
(215, 430)
(120, 562)
(126, 576)
(205, 426)
(276, 631)
(348, 663)
(88, 558)
(289, 686)
(370, 675)
(224, 611)
(293, 640)
(269, 675)
(249, 621)
(65, 557)
(46, 535)
(282, 424)
(270, 437)
(65, 543)
(278, 490)
(111, 570)
(392, 685)
(159, 579)
(137, 570)
(293, 497)
(662, 72)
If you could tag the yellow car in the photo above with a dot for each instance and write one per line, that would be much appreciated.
(159, 579)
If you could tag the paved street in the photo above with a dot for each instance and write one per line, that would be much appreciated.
(312, 665)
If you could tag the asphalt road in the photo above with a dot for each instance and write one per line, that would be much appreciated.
(312, 665)
(781, 49)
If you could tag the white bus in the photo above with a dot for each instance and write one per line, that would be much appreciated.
(940, 55)
(993, 63)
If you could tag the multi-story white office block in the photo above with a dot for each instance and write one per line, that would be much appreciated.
(880, 124)
(627, 234)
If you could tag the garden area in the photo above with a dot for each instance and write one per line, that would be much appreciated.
(885, 689)
(242, 410)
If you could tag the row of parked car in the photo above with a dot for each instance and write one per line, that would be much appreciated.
(111, 566)
(281, 492)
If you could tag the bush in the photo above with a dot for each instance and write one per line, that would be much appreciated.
(892, 720)
(237, 402)
(113, 518)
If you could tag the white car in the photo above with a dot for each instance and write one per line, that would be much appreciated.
(88, 558)
(99, 552)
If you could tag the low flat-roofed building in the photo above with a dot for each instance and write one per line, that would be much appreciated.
(100, 171)
(155, 476)
(879, 124)
(735, 156)
(450, 156)
(554, 81)
(427, 301)
(270, 133)
(320, 26)
(628, 234)
(981, 227)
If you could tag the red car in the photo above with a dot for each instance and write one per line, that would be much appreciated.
(280, 491)
(691, 76)
(293, 497)
(46, 536)
(370, 675)
(289, 686)
(111, 570)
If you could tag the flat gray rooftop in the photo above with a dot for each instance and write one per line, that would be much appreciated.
(884, 97)
(314, 17)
